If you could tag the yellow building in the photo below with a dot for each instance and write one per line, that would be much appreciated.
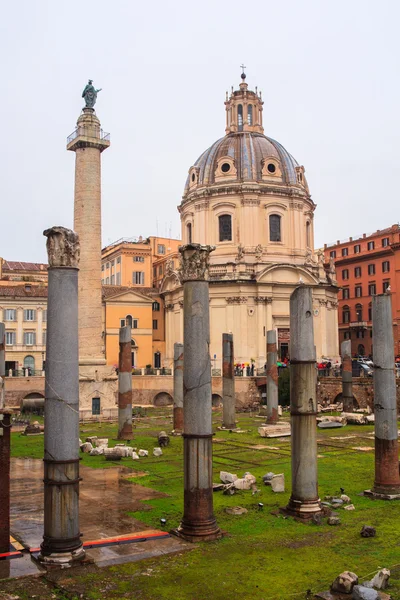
(23, 309)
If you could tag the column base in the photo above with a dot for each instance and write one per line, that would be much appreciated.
(90, 362)
(303, 511)
(63, 559)
(389, 494)
(206, 532)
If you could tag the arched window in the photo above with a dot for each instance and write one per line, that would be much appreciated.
(189, 233)
(275, 228)
(128, 321)
(361, 350)
(29, 363)
(225, 228)
(250, 114)
(240, 117)
(156, 306)
(359, 312)
(308, 234)
(346, 314)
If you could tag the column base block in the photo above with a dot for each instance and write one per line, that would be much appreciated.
(388, 495)
(63, 559)
(303, 511)
(204, 534)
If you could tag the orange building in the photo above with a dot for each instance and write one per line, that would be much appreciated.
(129, 261)
(366, 266)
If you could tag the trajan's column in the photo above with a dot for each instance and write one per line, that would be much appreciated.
(88, 142)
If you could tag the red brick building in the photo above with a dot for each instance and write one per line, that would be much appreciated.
(366, 266)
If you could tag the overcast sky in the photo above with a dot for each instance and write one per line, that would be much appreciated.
(328, 70)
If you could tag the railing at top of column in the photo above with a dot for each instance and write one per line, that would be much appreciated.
(88, 133)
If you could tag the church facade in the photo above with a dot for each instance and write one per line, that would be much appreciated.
(248, 197)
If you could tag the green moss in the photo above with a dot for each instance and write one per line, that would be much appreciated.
(262, 556)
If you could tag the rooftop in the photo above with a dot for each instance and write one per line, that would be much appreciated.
(363, 236)
(10, 265)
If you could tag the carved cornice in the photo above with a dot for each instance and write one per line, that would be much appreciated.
(204, 205)
(334, 304)
(195, 262)
(169, 306)
(296, 205)
(233, 189)
(180, 302)
(236, 299)
(63, 247)
(323, 302)
(263, 299)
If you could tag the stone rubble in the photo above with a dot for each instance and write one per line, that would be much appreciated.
(349, 507)
(101, 442)
(334, 521)
(157, 452)
(227, 477)
(368, 531)
(345, 582)
(355, 418)
(267, 478)
(86, 447)
(143, 452)
(135, 456)
(361, 592)
(381, 579)
(236, 510)
(96, 451)
(163, 439)
(278, 483)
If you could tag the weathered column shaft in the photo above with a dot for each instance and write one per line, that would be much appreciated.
(178, 387)
(198, 522)
(125, 385)
(347, 377)
(304, 500)
(272, 377)
(2, 364)
(5, 427)
(88, 146)
(387, 479)
(62, 539)
(228, 382)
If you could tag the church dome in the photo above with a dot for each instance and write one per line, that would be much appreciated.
(250, 156)
(245, 154)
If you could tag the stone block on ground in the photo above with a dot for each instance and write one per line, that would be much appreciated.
(236, 510)
(135, 456)
(92, 439)
(163, 439)
(361, 592)
(334, 521)
(368, 531)
(143, 452)
(86, 447)
(354, 418)
(345, 582)
(349, 507)
(101, 442)
(273, 431)
(278, 483)
(157, 452)
(33, 429)
(370, 418)
(242, 484)
(381, 579)
(330, 425)
(96, 451)
(226, 477)
(250, 477)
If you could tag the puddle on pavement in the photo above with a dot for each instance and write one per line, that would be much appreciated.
(105, 498)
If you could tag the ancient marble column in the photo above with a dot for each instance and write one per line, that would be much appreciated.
(272, 377)
(62, 538)
(125, 385)
(347, 377)
(387, 479)
(228, 382)
(178, 387)
(304, 501)
(198, 522)
(2, 364)
(5, 428)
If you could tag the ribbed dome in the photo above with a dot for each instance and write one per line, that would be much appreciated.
(248, 150)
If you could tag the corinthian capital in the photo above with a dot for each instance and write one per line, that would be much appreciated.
(195, 262)
(63, 247)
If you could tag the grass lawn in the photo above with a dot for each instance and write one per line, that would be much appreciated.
(262, 556)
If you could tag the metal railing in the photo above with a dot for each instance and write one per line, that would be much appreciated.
(84, 131)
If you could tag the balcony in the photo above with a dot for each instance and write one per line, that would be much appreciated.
(358, 324)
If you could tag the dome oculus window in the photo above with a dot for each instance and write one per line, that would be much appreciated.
(225, 167)
(225, 228)
(275, 228)
(271, 168)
